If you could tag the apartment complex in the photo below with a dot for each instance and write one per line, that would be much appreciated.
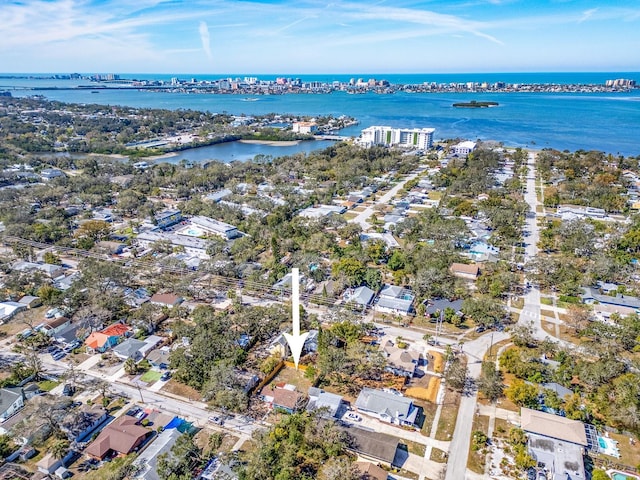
(418, 138)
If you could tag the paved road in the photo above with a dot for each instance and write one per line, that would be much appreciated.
(363, 216)
(531, 310)
(459, 448)
(191, 410)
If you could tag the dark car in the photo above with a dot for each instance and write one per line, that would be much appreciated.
(68, 390)
(165, 376)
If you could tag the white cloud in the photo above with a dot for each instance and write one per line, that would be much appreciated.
(587, 14)
(205, 38)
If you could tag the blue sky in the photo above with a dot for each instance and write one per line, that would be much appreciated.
(308, 36)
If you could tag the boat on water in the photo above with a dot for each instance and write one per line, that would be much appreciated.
(95, 91)
(250, 99)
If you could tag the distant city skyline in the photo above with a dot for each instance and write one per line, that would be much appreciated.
(308, 36)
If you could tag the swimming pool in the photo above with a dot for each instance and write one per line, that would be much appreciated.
(609, 446)
(615, 475)
(192, 231)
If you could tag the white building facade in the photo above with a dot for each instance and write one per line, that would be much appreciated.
(418, 138)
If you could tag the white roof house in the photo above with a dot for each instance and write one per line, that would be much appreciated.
(320, 211)
(387, 406)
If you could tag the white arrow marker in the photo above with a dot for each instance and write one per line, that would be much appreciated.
(296, 339)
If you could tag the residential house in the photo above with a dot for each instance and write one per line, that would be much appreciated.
(54, 326)
(103, 214)
(49, 464)
(395, 300)
(120, 437)
(51, 173)
(245, 379)
(159, 358)
(319, 211)
(361, 295)
(65, 282)
(388, 238)
(130, 348)
(591, 296)
(436, 306)
(463, 270)
(151, 342)
(52, 271)
(30, 301)
(331, 405)
(111, 248)
(147, 461)
(169, 300)
(371, 471)
(107, 338)
(604, 313)
(219, 195)
(560, 390)
(283, 397)
(373, 446)
(81, 424)
(482, 250)
(279, 346)
(387, 406)
(11, 401)
(401, 362)
(8, 310)
(556, 443)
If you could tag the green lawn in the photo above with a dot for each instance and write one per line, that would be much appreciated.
(151, 376)
(47, 385)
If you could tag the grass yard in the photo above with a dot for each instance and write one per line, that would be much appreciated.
(517, 302)
(546, 301)
(476, 461)
(150, 376)
(629, 454)
(181, 389)
(429, 412)
(548, 313)
(429, 393)
(501, 428)
(349, 216)
(448, 415)
(439, 456)
(415, 447)
(292, 377)
(435, 195)
(47, 385)
(549, 327)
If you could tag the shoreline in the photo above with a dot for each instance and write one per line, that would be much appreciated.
(272, 143)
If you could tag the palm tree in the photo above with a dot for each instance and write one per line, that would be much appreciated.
(59, 449)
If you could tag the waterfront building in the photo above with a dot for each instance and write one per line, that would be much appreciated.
(419, 138)
(304, 127)
(463, 149)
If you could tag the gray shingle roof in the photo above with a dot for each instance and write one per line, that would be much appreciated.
(129, 347)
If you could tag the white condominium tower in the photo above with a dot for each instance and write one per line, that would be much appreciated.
(419, 138)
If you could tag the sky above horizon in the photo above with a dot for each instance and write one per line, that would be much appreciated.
(308, 36)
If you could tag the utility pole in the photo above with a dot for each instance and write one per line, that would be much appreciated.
(140, 392)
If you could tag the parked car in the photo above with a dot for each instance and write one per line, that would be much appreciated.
(354, 417)
(165, 376)
(68, 390)
(217, 420)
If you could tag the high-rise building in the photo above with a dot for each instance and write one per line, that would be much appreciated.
(419, 138)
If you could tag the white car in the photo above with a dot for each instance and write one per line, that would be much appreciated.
(354, 417)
